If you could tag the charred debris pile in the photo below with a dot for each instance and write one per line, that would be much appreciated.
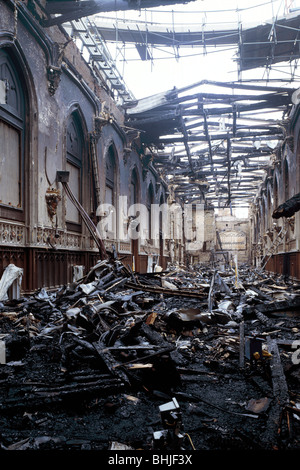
(190, 358)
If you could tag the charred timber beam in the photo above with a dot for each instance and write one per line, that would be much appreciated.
(269, 308)
(182, 187)
(281, 395)
(210, 196)
(61, 6)
(63, 178)
(288, 208)
(235, 193)
(242, 108)
(228, 168)
(35, 398)
(110, 361)
(244, 178)
(249, 153)
(189, 190)
(210, 178)
(151, 117)
(241, 86)
(229, 98)
(246, 195)
(193, 138)
(219, 172)
(248, 174)
(145, 119)
(274, 102)
(208, 138)
(165, 291)
(234, 125)
(199, 112)
(186, 138)
(74, 10)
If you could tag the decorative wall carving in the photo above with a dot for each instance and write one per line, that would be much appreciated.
(53, 197)
(57, 239)
(124, 247)
(12, 234)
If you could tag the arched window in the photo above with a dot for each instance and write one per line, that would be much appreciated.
(161, 235)
(134, 190)
(286, 180)
(260, 220)
(257, 228)
(275, 193)
(150, 202)
(111, 191)
(12, 139)
(74, 167)
(264, 218)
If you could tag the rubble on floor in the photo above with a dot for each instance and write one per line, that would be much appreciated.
(198, 358)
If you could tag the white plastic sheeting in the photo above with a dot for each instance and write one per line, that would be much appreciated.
(11, 274)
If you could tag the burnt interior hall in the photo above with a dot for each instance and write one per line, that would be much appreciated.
(149, 226)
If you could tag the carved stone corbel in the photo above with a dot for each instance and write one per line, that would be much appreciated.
(53, 76)
(131, 136)
(99, 123)
(52, 199)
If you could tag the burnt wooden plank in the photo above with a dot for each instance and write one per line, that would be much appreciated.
(281, 397)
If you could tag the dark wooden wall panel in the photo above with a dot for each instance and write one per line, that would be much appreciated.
(52, 269)
(285, 263)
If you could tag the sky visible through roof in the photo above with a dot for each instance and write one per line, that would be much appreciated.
(178, 68)
(184, 66)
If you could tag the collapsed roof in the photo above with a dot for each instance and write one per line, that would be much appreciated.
(67, 10)
(211, 141)
(213, 145)
(268, 43)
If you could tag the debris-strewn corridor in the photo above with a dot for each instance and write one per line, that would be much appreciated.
(149, 237)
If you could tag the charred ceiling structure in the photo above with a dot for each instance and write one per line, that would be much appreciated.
(218, 148)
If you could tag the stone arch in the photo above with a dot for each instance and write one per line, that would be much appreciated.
(15, 134)
(135, 186)
(111, 174)
(76, 164)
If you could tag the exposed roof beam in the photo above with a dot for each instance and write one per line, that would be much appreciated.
(174, 139)
(72, 10)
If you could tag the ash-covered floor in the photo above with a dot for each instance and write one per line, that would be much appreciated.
(184, 360)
